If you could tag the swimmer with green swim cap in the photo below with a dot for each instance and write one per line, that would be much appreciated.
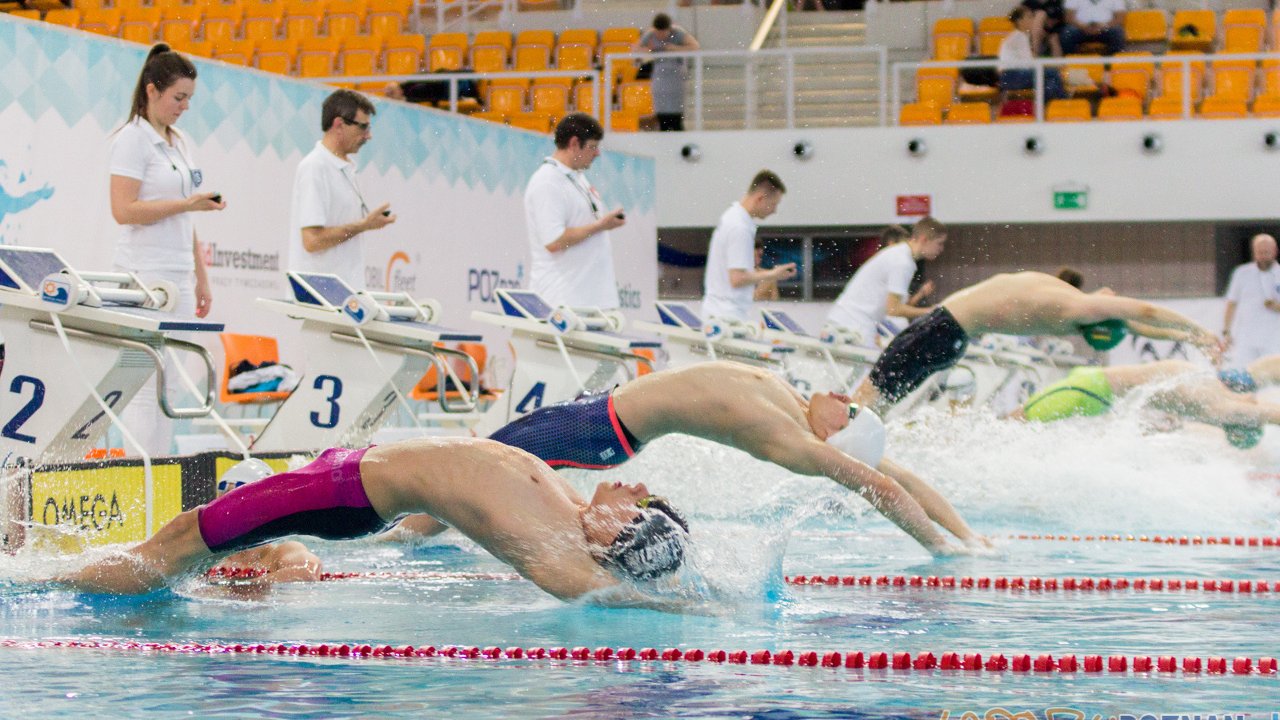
(1176, 387)
(1022, 303)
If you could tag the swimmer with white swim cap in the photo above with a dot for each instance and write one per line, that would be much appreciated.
(1022, 303)
(747, 408)
(504, 499)
(283, 562)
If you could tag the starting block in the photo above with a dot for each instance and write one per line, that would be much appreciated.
(832, 362)
(116, 331)
(364, 351)
(689, 340)
(559, 354)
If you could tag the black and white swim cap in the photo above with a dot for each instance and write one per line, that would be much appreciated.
(652, 545)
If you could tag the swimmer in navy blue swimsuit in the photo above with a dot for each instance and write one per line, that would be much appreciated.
(584, 433)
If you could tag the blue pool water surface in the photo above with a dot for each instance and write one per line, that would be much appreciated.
(753, 523)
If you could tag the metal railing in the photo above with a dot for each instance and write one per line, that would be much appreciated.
(751, 61)
(1158, 63)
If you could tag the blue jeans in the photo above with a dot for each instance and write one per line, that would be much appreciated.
(1024, 79)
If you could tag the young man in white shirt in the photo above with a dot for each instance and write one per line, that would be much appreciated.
(880, 287)
(731, 274)
(1094, 21)
(329, 216)
(568, 223)
(1251, 326)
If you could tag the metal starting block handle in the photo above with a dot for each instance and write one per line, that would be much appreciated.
(566, 319)
(368, 305)
(63, 290)
(717, 328)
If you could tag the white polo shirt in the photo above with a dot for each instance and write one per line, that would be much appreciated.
(325, 194)
(864, 301)
(1095, 11)
(558, 198)
(166, 173)
(1255, 330)
(732, 248)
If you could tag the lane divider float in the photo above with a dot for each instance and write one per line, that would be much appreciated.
(249, 573)
(949, 582)
(1135, 666)
(1184, 540)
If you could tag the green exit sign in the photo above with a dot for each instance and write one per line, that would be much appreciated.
(1070, 199)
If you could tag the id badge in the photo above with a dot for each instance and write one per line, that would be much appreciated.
(197, 177)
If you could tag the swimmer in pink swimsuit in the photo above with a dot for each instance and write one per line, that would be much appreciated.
(501, 497)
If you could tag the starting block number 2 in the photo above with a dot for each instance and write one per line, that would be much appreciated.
(11, 428)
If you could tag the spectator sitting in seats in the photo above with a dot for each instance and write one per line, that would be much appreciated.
(1046, 29)
(1094, 21)
(1015, 56)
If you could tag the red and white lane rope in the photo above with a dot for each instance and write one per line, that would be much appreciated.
(1136, 665)
(248, 573)
(1187, 540)
(1044, 584)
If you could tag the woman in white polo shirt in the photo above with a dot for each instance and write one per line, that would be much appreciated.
(155, 186)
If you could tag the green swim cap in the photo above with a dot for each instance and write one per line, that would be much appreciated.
(1243, 436)
(1104, 335)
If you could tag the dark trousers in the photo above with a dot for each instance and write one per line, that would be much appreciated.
(1073, 37)
(670, 122)
(1025, 80)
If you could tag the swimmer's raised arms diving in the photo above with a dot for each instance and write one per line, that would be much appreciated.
(508, 501)
(1023, 303)
(750, 409)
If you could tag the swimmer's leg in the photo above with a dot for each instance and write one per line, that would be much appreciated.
(937, 507)
(174, 549)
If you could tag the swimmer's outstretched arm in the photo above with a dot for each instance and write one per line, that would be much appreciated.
(814, 457)
(174, 549)
(937, 507)
(1148, 319)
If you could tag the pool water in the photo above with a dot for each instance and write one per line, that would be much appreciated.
(754, 523)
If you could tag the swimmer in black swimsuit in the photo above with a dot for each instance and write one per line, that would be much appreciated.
(1024, 303)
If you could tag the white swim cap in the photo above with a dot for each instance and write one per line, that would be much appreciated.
(243, 473)
(863, 438)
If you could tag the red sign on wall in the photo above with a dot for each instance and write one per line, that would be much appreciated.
(914, 204)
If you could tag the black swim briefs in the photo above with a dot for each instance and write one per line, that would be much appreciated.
(936, 342)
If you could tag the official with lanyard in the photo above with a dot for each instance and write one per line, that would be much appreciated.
(568, 225)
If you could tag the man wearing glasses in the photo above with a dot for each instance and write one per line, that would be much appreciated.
(329, 215)
(569, 224)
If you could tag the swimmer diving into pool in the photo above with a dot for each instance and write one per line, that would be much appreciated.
(1178, 387)
(1022, 303)
(746, 408)
(504, 499)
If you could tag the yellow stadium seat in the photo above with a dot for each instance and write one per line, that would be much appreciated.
(937, 90)
(345, 18)
(1084, 78)
(584, 98)
(535, 121)
(105, 21)
(262, 19)
(951, 47)
(1270, 84)
(1205, 23)
(179, 24)
(65, 17)
(549, 98)
(121, 5)
(386, 18)
(623, 70)
(402, 54)
(536, 37)
(1068, 111)
(637, 97)
(1120, 108)
(1267, 106)
(488, 58)
(1167, 107)
(237, 52)
(360, 55)
(493, 37)
(275, 55)
(1214, 108)
(960, 25)
(221, 21)
(1132, 72)
(628, 35)
(624, 121)
(199, 48)
(1171, 77)
(579, 36)
(506, 98)
(991, 33)
(489, 116)
(317, 56)
(1233, 80)
(969, 113)
(27, 13)
(446, 52)
(1146, 26)
(531, 58)
(1243, 30)
(302, 18)
(920, 114)
(574, 57)
(139, 25)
